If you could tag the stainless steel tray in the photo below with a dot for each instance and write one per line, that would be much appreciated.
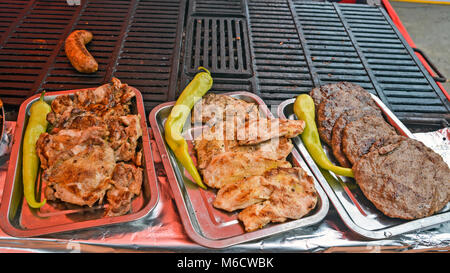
(19, 220)
(205, 224)
(357, 212)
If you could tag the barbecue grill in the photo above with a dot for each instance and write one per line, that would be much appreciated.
(275, 49)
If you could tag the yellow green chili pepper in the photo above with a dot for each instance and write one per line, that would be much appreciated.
(304, 110)
(37, 124)
(193, 92)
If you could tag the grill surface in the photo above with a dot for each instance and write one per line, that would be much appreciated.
(276, 49)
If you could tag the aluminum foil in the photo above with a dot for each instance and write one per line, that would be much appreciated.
(162, 230)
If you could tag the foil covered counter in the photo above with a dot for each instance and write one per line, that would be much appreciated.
(162, 230)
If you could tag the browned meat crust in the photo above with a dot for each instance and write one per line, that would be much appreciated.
(322, 92)
(92, 149)
(76, 51)
(331, 108)
(360, 134)
(403, 178)
(293, 196)
(341, 122)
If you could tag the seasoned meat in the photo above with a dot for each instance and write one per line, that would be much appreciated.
(91, 107)
(124, 133)
(230, 167)
(93, 134)
(275, 148)
(331, 108)
(207, 148)
(126, 183)
(52, 148)
(214, 108)
(260, 130)
(293, 196)
(338, 128)
(241, 194)
(359, 135)
(403, 178)
(80, 175)
(322, 92)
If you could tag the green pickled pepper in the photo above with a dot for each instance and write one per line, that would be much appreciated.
(37, 124)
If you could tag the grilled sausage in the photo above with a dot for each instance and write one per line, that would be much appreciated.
(76, 51)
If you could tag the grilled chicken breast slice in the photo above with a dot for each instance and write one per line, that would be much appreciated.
(260, 130)
(230, 167)
(293, 196)
(276, 149)
(241, 194)
(213, 108)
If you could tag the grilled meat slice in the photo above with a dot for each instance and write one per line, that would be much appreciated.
(65, 144)
(230, 167)
(274, 148)
(360, 134)
(126, 183)
(333, 106)
(260, 130)
(403, 178)
(206, 149)
(83, 177)
(109, 95)
(338, 129)
(124, 132)
(213, 108)
(91, 107)
(241, 194)
(293, 196)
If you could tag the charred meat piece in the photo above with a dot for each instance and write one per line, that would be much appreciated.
(332, 107)
(230, 167)
(65, 144)
(360, 134)
(91, 107)
(322, 92)
(124, 132)
(126, 183)
(339, 126)
(80, 175)
(403, 178)
(293, 196)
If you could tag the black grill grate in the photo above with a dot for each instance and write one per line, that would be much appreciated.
(137, 41)
(276, 49)
(297, 45)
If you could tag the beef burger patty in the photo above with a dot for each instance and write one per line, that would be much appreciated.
(360, 134)
(403, 178)
(338, 129)
(333, 106)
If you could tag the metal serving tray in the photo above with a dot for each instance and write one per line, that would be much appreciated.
(19, 220)
(357, 212)
(205, 224)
